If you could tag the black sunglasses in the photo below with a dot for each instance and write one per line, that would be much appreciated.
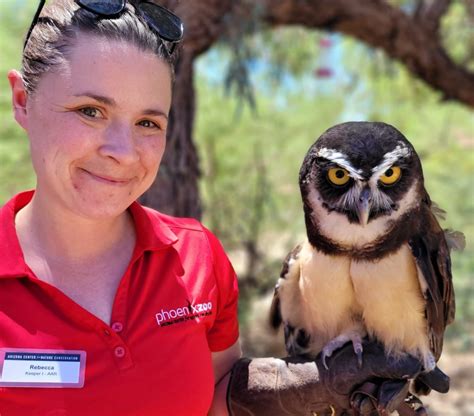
(165, 24)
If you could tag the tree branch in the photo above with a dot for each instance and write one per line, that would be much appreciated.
(381, 25)
(204, 21)
(408, 39)
(429, 14)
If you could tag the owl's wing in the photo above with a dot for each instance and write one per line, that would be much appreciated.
(290, 265)
(431, 252)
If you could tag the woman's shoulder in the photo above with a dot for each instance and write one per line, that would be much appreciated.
(174, 222)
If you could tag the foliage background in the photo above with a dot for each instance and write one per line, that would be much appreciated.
(262, 101)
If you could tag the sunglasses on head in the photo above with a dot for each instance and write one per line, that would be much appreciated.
(165, 24)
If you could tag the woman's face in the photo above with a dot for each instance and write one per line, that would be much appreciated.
(97, 127)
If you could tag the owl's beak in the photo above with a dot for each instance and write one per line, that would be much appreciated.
(364, 205)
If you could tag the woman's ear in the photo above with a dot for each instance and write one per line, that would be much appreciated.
(19, 98)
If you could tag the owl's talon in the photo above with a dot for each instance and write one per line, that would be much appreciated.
(338, 342)
(359, 358)
(358, 350)
(328, 350)
(324, 360)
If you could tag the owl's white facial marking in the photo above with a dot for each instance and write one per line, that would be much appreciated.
(336, 226)
(350, 198)
(389, 159)
(380, 200)
(339, 159)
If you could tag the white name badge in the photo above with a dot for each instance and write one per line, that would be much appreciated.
(42, 368)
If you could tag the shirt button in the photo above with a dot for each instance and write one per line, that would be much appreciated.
(119, 352)
(117, 326)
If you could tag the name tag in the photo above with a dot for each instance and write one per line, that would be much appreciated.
(42, 368)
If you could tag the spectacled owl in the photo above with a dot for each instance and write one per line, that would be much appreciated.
(376, 262)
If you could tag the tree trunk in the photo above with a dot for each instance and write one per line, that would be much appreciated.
(175, 191)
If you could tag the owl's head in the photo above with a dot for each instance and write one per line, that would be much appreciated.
(359, 178)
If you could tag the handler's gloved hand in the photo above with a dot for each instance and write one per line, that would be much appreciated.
(300, 386)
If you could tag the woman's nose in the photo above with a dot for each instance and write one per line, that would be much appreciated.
(119, 144)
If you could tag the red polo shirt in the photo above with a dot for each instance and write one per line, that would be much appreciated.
(176, 303)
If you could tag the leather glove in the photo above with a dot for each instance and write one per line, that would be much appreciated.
(380, 399)
(300, 386)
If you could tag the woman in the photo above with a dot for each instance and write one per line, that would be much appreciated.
(106, 307)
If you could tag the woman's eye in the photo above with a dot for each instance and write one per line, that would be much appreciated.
(91, 112)
(149, 124)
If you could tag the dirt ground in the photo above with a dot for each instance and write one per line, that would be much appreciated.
(259, 341)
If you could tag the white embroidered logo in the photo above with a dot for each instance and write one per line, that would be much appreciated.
(184, 313)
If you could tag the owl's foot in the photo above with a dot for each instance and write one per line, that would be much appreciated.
(338, 342)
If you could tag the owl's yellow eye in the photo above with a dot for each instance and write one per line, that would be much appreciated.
(391, 175)
(338, 176)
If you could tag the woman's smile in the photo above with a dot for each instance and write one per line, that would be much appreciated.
(106, 179)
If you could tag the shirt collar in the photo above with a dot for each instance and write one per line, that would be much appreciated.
(12, 262)
(152, 234)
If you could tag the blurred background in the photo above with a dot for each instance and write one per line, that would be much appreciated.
(263, 93)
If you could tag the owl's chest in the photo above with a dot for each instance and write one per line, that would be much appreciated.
(327, 292)
(391, 299)
(336, 288)
(388, 278)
